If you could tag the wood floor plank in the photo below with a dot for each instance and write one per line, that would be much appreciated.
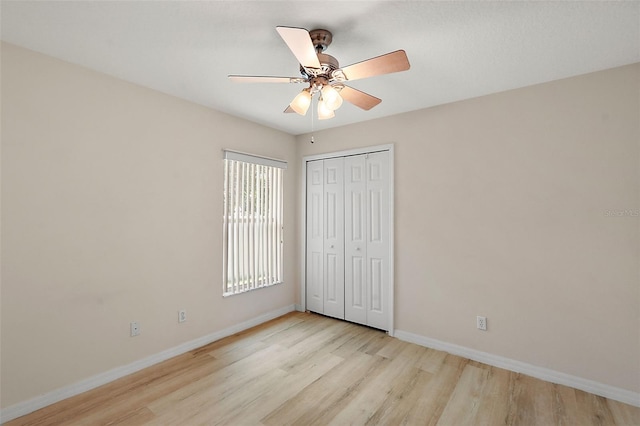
(594, 409)
(464, 403)
(313, 402)
(368, 400)
(253, 405)
(493, 406)
(624, 414)
(228, 379)
(292, 335)
(359, 339)
(133, 390)
(565, 408)
(233, 353)
(372, 346)
(306, 369)
(322, 343)
(401, 408)
(391, 348)
(329, 408)
(212, 402)
(394, 408)
(125, 403)
(535, 402)
(431, 360)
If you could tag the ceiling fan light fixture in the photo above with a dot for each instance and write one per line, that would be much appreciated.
(323, 74)
(301, 102)
(331, 97)
(324, 112)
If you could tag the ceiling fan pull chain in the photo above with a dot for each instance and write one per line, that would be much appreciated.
(312, 141)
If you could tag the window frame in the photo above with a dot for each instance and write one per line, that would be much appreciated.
(253, 228)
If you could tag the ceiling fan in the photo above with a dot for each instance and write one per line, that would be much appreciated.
(323, 73)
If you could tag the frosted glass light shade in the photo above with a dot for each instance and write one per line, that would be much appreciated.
(332, 98)
(301, 102)
(324, 112)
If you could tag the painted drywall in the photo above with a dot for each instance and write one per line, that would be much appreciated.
(111, 212)
(523, 207)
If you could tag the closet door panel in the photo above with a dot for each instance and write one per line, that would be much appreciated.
(334, 237)
(378, 214)
(355, 244)
(315, 236)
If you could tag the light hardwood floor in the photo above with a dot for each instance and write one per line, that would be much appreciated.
(307, 369)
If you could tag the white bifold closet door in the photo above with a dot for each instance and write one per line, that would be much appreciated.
(334, 237)
(315, 236)
(367, 242)
(348, 244)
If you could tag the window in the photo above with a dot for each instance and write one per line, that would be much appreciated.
(253, 211)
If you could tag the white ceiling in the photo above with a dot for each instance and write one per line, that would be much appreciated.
(457, 50)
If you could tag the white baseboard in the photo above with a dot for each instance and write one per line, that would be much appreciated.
(29, 406)
(611, 392)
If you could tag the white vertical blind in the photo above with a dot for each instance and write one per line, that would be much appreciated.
(253, 222)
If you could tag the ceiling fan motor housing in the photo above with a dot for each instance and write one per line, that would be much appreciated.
(328, 64)
(321, 39)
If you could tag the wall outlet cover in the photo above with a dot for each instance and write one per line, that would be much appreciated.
(481, 323)
(135, 329)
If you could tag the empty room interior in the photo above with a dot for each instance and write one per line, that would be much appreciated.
(290, 212)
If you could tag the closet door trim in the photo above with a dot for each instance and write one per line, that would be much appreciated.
(303, 178)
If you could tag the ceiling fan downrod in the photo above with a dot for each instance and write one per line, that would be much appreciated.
(321, 39)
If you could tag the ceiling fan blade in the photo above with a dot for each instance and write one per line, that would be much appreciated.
(385, 64)
(300, 44)
(358, 98)
(264, 79)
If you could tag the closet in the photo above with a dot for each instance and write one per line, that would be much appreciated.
(348, 239)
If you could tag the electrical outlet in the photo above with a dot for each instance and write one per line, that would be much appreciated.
(481, 323)
(135, 329)
(182, 315)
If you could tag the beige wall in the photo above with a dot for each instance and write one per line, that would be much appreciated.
(502, 207)
(111, 212)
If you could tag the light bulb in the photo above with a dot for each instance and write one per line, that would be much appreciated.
(301, 102)
(332, 98)
(323, 111)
